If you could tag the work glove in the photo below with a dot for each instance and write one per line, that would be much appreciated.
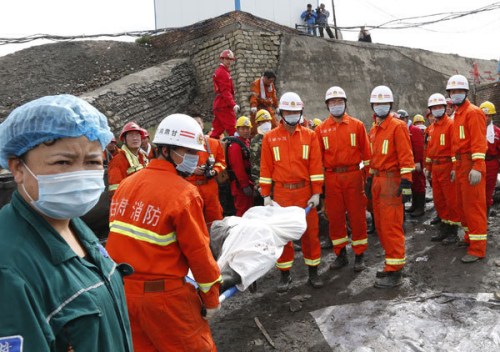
(368, 187)
(236, 109)
(268, 201)
(211, 312)
(474, 177)
(253, 110)
(314, 200)
(452, 176)
(248, 191)
(418, 167)
(405, 190)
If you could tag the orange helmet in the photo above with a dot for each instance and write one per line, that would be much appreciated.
(131, 126)
(227, 54)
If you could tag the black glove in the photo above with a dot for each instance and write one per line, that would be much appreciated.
(405, 190)
(368, 187)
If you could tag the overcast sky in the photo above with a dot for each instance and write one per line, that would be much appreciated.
(474, 36)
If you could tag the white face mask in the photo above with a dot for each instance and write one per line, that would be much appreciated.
(438, 113)
(264, 128)
(67, 195)
(188, 164)
(292, 119)
(382, 110)
(457, 99)
(337, 110)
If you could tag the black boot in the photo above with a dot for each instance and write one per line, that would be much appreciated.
(442, 234)
(314, 279)
(413, 206)
(452, 237)
(371, 225)
(419, 201)
(392, 279)
(285, 281)
(436, 220)
(340, 261)
(359, 263)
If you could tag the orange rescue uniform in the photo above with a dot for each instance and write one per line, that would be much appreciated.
(292, 164)
(344, 146)
(469, 147)
(439, 161)
(157, 226)
(120, 168)
(263, 97)
(208, 187)
(392, 159)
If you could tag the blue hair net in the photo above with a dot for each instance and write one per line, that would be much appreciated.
(49, 118)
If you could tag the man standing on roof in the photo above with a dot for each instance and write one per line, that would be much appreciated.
(225, 108)
(157, 226)
(291, 163)
(263, 97)
(344, 145)
(389, 183)
(129, 160)
(469, 147)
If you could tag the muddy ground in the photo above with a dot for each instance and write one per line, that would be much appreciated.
(431, 269)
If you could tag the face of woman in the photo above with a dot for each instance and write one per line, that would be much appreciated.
(64, 155)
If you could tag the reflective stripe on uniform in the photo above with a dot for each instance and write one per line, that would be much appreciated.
(480, 237)
(285, 265)
(406, 170)
(359, 242)
(276, 152)
(340, 241)
(428, 160)
(366, 162)
(205, 286)
(477, 156)
(325, 143)
(319, 177)
(353, 139)
(462, 132)
(442, 140)
(385, 147)
(113, 187)
(395, 261)
(305, 152)
(265, 180)
(312, 262)
(141, 234)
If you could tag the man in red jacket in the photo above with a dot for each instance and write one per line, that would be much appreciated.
(225, 109)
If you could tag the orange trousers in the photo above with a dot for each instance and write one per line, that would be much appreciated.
(169, 320)
(344, 191)
(212, 209)
(445, 194)
(311, 247)
(388, 211)
(472, 208)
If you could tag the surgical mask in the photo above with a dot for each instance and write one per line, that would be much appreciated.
(264, 128)
(337, 110)
(438, 113)
(422, 127)
(67, 195)
(292, 119)
(188, 164)
(381, 110)
(457, 99)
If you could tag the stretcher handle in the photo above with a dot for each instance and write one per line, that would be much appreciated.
(225, 295)
(308, 208)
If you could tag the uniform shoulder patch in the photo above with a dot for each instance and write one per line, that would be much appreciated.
(11, 343)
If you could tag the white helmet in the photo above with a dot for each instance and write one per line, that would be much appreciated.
(180, 130)
(381, 94)
(457, 82)
(335, 92)
(436, 99)
(291, 102)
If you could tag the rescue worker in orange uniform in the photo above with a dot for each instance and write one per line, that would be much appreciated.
(146, 147)
(439, 165)
(492, 154)
(238, 155)
(344, 145)
(389, 183)
(129, 160)
(210, 163)
(157, 226)
(263, 97)
(469, 147)
(111, 151)
(291, 165)
(225, 108)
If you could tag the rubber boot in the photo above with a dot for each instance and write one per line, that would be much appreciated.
(442, 233)
(452, 237)
(340, 261)
(391, 280)
(359, 263)
(285, 281)
(314, 279)
(419, 201)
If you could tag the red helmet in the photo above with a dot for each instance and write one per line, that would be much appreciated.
(227, 54)
(146, 133)
(131, 126)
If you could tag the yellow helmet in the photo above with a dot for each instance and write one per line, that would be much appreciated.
(488, 108)
(262, 115)
(418, 118)
(316, 122)
(243, 121)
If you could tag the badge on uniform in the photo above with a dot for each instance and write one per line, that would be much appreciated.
(11, 343)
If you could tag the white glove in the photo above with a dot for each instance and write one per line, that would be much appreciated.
(253, 110)
(268, 201)
(427, 174)
(452, 176)
(236, 109)
(211, 312)
(314, 200)
(418, 167)
(474, 177)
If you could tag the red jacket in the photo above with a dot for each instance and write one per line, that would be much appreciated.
(417, 144)
(223, 88)
(239, 164)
